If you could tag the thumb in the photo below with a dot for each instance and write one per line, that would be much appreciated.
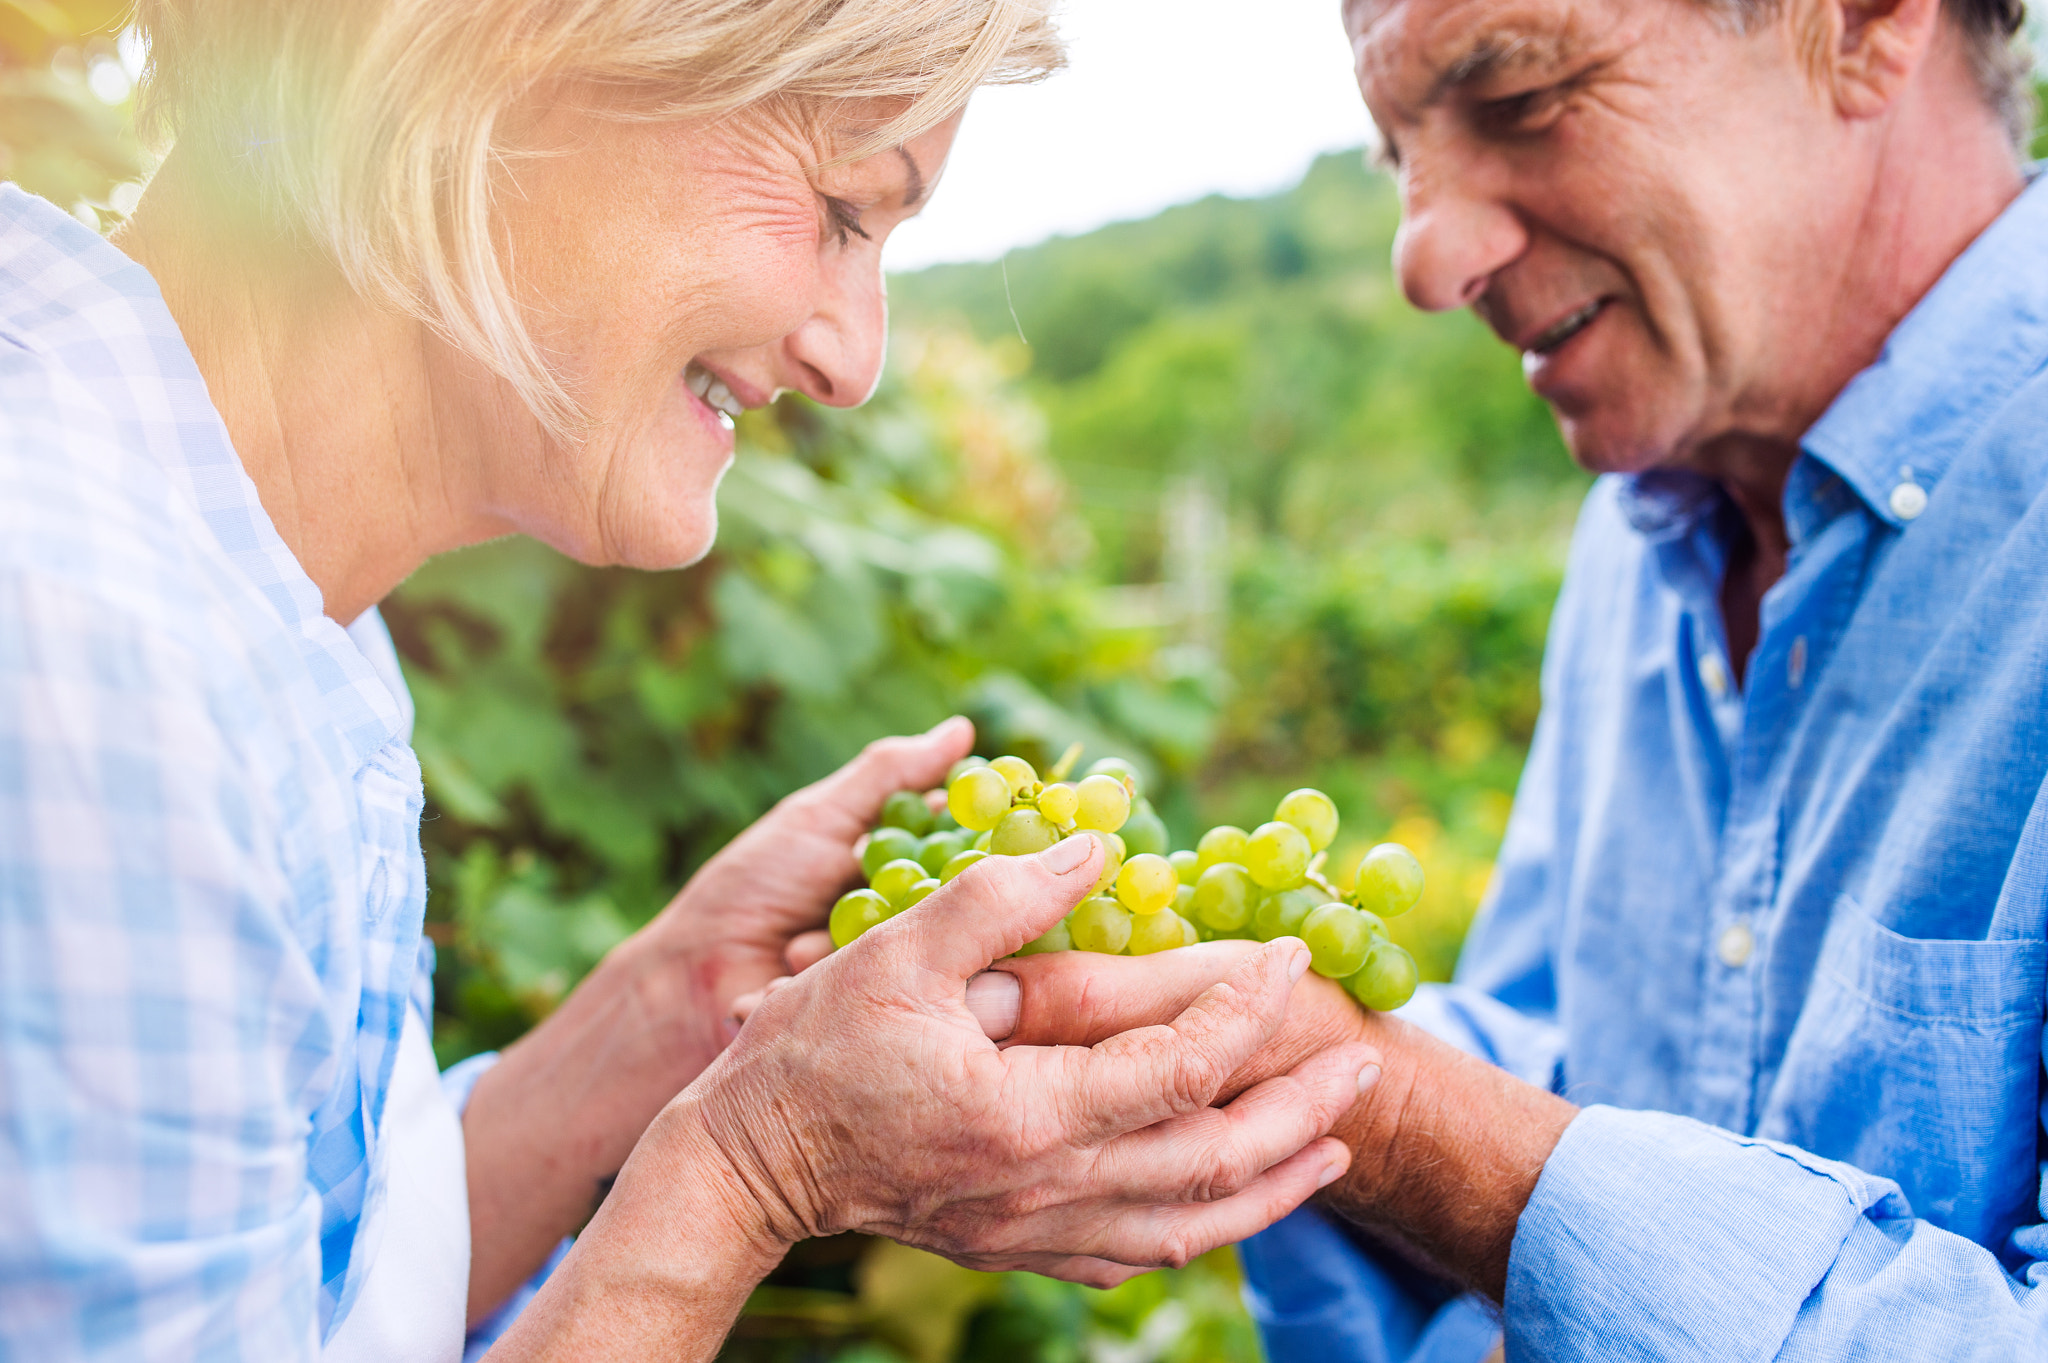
(992, 908)
(887, 765)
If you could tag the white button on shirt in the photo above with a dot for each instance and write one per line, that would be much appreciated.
(1714, 676)
(1736, 946)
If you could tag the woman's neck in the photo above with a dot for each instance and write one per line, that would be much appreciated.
(337, 409)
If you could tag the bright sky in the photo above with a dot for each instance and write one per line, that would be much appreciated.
(1163, 101)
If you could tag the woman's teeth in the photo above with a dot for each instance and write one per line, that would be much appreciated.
(712, 389)
(1565, 329)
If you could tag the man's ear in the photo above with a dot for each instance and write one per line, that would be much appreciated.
(1866, 51)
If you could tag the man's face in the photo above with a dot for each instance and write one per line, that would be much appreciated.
(1657, 211)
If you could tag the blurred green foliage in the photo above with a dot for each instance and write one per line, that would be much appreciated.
(61, 137)
(995, 533)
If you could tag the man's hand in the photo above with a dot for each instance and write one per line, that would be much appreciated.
(1446, 1149)
(865, 1095)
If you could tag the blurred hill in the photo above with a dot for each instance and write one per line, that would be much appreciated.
(1261, 343)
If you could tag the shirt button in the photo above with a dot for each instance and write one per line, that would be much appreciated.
(1714, 676)
(1908, 500)
(1736, 945)
(1795, 664)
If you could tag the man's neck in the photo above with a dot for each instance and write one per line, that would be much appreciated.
(1941, 173)
(329, 402)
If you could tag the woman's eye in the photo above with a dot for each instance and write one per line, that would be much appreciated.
(844, 219)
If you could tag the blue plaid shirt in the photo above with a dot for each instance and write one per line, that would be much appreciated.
(1787, 941)
(211, 889)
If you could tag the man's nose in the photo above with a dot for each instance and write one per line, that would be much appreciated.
(1453, 237)
(835, 357)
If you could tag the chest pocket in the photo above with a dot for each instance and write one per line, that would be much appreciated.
(1920, 1060)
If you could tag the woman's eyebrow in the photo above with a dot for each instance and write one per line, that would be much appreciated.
(913, 192)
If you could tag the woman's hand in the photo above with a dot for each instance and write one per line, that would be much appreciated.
(547, 1128)
(865, 1095)
(729, 930)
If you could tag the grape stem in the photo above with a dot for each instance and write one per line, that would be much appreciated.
(1066, 762)
(1314, 874)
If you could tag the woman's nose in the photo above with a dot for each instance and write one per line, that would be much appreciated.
(1453, 237)
(835, 357)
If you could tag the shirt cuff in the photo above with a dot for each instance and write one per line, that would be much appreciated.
(1656, 1236)
(458, 1081)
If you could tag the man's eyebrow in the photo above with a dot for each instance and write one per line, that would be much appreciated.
(1489, 57)
(913, 193)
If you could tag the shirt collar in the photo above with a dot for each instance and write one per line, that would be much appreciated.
(67, 292)
(1979, 333)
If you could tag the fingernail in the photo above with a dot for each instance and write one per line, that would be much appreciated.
(1065, 856)
(1367, 1077)
(945, 724)
(1329, 1175)
(996, 1000)
(1297, 964)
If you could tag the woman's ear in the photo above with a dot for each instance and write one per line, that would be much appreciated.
(1872, 49)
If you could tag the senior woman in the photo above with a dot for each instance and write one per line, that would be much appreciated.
(416, 273)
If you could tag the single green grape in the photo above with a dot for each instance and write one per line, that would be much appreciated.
(978, 798)
(919, 892)
(907, 809)
(1282, 914)
(1338, 937)
(1122, 770)
(1313, 812)
(1225, 896)
(959, 862)
(1389, 880)
(1058, 802)
(894, 879)
(1184, 902)
(980, 843)
(1277, 855)
(1144, 831)
(1146, 883)
(941, 847)
(964, 764)
(1386, 980)
(1104, 803)
(1224, 842)
(886, 845)
(1023, 831)
(854, 914)
(1101, 924)
(1153, 932)
(1187, 865)
(1056, 938)
(1016, 771)
(1112, 858)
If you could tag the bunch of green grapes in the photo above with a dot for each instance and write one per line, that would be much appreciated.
(1259, 885)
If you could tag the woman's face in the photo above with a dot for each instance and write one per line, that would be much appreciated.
(674, 274)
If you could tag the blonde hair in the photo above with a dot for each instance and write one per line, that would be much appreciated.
(374, 128)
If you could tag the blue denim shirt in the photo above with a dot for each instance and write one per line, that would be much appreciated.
(1785, 942)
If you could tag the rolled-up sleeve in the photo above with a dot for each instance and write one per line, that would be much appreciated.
(1652, 1236)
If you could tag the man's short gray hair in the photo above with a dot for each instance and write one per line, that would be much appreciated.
(1990, 31)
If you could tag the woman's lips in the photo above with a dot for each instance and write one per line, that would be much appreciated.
(713, 393)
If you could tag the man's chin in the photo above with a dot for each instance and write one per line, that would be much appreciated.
(1604, 441)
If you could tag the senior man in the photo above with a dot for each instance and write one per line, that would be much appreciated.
(1771, 902)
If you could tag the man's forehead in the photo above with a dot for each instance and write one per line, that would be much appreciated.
(1411, 53)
